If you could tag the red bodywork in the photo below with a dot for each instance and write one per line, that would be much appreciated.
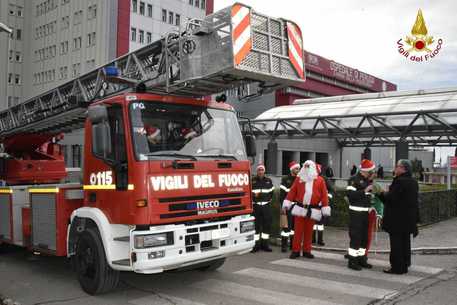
(163, 206)
(36, 159)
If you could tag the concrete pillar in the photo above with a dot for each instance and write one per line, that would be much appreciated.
(272, 158)
(401, 150)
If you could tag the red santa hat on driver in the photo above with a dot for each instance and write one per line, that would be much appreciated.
(367, 165)
(260, 166)
(188, 133)
(293, 165)
(152, 132)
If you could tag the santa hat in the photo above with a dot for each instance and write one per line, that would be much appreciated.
(318, 168)
(260, 166)
(294, 165)
(152, 132)
(367, 165)
(188, 133)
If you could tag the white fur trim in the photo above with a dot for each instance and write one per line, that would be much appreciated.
(330, 195)
(362, 251)
(314, 227)
(326, 211)
(294, 166)
(299, 211)
(291, 233)
(256, 237)
(286, 204)
(367, 169)
(320, 227)
(308, 192)
(316, 214)
(284, 234)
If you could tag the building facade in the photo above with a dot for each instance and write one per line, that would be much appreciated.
(54, 41)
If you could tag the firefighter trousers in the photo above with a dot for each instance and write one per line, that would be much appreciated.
(358, 233)
(303, 233)
(263, 219)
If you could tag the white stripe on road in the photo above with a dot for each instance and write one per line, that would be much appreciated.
(255, 294)
(162, 299)
(375, 275)
(317, 283)
(378, 263)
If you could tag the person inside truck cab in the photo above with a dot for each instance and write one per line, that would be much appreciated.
(153, 134)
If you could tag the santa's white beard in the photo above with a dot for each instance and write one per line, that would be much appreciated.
(307, 174)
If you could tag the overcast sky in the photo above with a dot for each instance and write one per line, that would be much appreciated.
(364, 35)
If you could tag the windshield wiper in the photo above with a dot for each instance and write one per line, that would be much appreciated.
(171, 154)
(222, 156)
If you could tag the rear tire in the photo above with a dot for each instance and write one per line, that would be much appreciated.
(213, 265)
(94, 273)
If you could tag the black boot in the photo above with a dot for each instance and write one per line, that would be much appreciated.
(320, 238)
(294, 255)
(363, 262)
(314, 237)
(353, 263)
(264, 245)
(291, 240)
(256, 247)
(284, 241)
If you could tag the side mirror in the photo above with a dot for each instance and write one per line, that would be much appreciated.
(97, 114)
(249, 142)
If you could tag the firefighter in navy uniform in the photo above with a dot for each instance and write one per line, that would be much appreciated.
(262, 193)
(287, 229)
(318, 229)
(358, 193)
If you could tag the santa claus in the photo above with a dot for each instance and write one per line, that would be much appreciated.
(308, 200)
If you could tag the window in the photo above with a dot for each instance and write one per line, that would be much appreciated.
(142, 6)
(77, 18)
(10, 101)
(197, 3)
(76, 155)
(77, 43)
(65, 22)
(19, 11)
(203, 4)
(18, 56)
(76, 69)
(164, 15)
(18, 34)
(92, 12)
(141, 38)
(134, 5)
(10, 78)
(63, 72)
(90, 64)
(149, 10)
(178, 19)
(11, 55)
(170, 17)
(91, 39)
(64, 47)
(133, 34)
(17, 79)
(148, 37)
(191, 2)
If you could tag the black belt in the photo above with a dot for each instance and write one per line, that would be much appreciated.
(305, 206)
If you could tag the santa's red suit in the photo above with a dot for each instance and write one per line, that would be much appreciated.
(307, 198)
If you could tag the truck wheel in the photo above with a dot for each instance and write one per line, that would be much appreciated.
(213, 265)
(94, 274)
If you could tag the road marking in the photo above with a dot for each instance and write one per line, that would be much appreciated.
(378, 262)
(162, 299)
(312, 282)
(369, 274)
(255, 294)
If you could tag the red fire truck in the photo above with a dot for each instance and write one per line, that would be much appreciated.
(166, 176)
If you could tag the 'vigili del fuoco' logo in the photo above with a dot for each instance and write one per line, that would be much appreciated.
(419, 46)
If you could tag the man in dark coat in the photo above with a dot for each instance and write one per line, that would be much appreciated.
(401, 216)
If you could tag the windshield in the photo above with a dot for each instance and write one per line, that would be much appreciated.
(168, 131)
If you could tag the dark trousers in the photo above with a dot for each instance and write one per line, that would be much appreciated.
(358, 232)
(263, 218)
(290, 221)
(400, 251)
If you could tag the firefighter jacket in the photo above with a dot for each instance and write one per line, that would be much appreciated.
(319, 195)
(262, 190)
(359, 201)
(286, 184)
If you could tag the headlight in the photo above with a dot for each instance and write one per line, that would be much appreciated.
(246, 226)
(153, 240)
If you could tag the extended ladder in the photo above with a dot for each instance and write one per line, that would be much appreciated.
(230, 48)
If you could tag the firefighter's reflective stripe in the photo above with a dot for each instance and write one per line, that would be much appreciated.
(130, 187)
(44, 190)
(6, 191)
(358, 209)
(285, 234)
(257, 191)
(330, 195)
(362, 251)
(350, 188)
(353, 252)
(265, 236)
(285, 189)
(262, 202)
(320, 227)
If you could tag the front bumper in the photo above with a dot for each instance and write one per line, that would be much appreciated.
(192, 245)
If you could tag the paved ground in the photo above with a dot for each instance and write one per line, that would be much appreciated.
(262, 278)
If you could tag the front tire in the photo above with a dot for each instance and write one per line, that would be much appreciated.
(94, 273)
